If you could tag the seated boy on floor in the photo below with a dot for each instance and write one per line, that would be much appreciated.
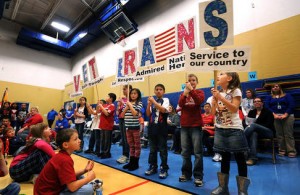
(58, 176)
(11, 142)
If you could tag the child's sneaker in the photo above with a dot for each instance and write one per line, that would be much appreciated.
(198, 182)
(183, 178)
(163, 174)
(152, 170)
(123, 159)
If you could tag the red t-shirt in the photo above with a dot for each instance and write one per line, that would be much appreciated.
(107, 122)
(56, 174)
(208, 120)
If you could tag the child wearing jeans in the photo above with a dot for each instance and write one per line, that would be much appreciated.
(58, 179)
(229, 134)
(131, 111)
(157, 111)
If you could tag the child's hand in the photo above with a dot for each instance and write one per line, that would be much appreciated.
(151, 99)
(128, 104)
(91, 175)
(89, 166)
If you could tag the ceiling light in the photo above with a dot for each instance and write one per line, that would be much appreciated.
(81, 35)
(124, 2)
(49, 39)
(60, 26)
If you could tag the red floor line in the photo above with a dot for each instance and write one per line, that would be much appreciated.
(129, 188)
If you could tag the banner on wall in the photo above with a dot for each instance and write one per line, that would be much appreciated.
(186, 35)
(94, 75)
(216, 23)
(176, 63)
(93, 69)
(93, 82)
(150, 70)
(129, 65)
(236, 59)
(77, 88)
(146, 51)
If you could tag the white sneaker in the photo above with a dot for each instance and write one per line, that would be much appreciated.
(217, 157)
(123, 159)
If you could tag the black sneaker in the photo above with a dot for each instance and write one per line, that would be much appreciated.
(89, 151)
(184, 178)
(198, 182)
(163, 174)
(152, 170)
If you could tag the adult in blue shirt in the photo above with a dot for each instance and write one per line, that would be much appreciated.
(51, 117)
(61, 122)
(282, 105)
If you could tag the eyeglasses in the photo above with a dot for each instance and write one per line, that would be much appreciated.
(257, 101)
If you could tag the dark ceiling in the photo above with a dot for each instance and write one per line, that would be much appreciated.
(35, 16)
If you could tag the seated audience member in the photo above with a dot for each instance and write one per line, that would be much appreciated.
(282, 105)
(70, 114)
(34, 156)
(208, 129)
(5, 111)
(21, 116)
(13, 188)
(11, 142)
(6, 122)
(2, 128)
(61, 122)
(57, 179)
(260, 122)
(247, 102)
(174, 121)
(13, 114)
(33, 118)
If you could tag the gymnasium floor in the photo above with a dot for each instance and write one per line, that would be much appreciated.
(266, 178)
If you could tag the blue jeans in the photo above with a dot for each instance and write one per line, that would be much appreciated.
(11, 189)
(158, 143)
(86, 189)
(252, 132)
(191, 139)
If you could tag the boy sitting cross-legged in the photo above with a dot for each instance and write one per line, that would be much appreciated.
(58, 176)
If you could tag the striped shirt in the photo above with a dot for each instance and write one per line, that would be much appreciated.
(132, 122)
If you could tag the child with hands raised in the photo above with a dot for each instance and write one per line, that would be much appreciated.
(229, 135)
(58, 179)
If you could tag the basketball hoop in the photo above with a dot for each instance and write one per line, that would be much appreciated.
(121, 41)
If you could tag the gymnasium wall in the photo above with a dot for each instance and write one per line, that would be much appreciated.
(44, 98)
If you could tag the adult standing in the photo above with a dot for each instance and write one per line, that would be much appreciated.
(282, 105)
(51, 117)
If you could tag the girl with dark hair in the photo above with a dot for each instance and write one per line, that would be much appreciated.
(81, 114)
(131, 111)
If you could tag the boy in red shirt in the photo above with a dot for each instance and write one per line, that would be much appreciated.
(58, 179)
(106, 124)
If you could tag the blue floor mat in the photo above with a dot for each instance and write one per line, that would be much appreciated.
(266, 178)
